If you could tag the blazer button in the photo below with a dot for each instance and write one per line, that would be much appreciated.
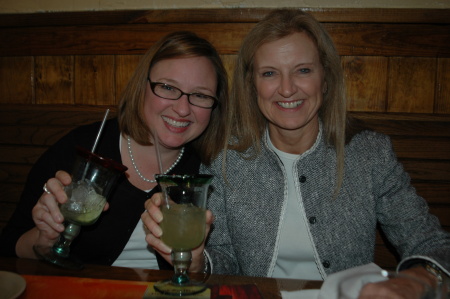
(312, 220)
(326, 264)
(302, 179)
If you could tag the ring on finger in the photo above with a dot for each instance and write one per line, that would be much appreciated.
(45, 189)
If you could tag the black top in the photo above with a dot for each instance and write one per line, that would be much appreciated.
(102, 242)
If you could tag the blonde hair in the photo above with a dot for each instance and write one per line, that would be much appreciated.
(247, 123)
(175, 45)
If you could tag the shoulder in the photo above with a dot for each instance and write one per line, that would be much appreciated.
(369, 138)
(370, 145)
(190, 161)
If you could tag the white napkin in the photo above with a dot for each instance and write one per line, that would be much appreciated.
(353, 283)
(301, 294)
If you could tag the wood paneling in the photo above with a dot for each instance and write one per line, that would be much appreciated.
(351, 39)
(94, 80)
(125, 65)
(366, 78)
(442, 104)
(16, 80)
(411, 84)
(54, 79)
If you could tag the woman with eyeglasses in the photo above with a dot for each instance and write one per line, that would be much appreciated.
(178, 92)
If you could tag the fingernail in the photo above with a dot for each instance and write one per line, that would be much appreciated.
(158, 218)
(166, 249)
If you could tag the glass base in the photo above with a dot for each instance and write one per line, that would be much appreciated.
(47, 254)
(167, 287)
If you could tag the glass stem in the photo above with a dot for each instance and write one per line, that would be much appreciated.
(62, 247)
(181, 262)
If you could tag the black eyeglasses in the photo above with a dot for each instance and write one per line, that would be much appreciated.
(170, 92)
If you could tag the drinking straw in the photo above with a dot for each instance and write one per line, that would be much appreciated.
(100, 130)
(158, 156)
(95, 143)
(158, 153)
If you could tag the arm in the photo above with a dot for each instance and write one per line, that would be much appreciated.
(219, 245)
(404, 217)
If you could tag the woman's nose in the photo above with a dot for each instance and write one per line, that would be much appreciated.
(182, 106)
(287, 87)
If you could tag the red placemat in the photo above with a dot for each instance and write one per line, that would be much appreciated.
(76, 287)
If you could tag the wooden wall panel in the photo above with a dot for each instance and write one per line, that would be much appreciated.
(94, 80)
(229, 62)
(423, 170)
(125, 66)
(443, 87)
(16, 80)
(54, 79)
(366, 79)
(414, 147)
(411, 84)
(434, 192)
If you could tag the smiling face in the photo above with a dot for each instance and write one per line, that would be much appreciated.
(289, 80)
(176, 121)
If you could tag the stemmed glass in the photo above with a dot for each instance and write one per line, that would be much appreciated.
(183, 226)
(92, 179)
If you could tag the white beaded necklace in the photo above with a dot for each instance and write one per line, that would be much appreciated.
(137, 170)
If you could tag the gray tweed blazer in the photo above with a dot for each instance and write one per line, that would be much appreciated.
(249, 202)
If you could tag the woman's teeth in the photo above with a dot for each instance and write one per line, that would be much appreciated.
(175, 123)
(289, 105)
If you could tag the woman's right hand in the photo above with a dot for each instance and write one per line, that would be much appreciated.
(46, 213)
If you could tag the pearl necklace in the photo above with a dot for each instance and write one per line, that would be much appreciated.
(180, 155)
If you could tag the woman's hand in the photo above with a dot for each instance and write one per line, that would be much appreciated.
(46, 214)
(152, 217)
(401, 287)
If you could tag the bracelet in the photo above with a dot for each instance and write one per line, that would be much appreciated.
(433, 269)
(207, 268)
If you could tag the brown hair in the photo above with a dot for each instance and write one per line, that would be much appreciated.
(175, 45)
(248, 123)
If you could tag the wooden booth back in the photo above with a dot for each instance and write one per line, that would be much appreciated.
(61, 70)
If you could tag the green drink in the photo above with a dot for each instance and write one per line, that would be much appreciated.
(183, 226)
(85, 213)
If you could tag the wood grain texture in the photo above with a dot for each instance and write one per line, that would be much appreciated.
(124, 69)
(366, 78)
(54, 79)
(442, 103)
(411, 84)
(94, 80)
(16, 80)
(229, 15)
(354, 39)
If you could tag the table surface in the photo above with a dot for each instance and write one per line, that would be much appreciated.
(268, 287)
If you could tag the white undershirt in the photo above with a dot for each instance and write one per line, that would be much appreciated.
(295, 252)
(137, 253)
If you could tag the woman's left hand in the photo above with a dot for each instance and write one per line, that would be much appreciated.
(401, 287)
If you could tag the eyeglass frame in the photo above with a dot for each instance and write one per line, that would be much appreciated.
(153, 84)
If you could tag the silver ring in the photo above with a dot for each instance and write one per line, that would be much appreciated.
(45, 189)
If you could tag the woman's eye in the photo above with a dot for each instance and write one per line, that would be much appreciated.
(267, 74)
(167, 87)
(305, 70)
